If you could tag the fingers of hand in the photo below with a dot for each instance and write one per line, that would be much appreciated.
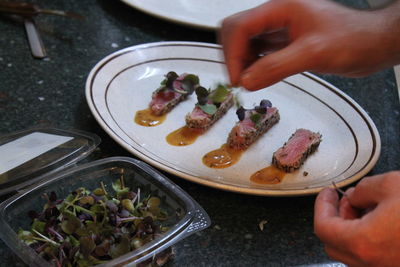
(237, 31)
(346, 210)
(276, 66)
(328, 226)
(372, 190)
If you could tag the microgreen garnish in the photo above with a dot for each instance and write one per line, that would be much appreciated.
(256, 113)
(219, 94)
(209, 100)
(91, 227)
(209, 108)
(255, 117)
(202, 95)
(187, 85)
(241, 112)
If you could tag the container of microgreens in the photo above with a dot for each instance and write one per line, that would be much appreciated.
(111, 212)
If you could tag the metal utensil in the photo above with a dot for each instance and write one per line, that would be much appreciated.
(30, 10)
(34, 40)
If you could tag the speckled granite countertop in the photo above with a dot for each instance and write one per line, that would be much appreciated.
(50, 93)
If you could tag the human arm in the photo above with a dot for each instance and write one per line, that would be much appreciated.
(322, 36)
(363, 228)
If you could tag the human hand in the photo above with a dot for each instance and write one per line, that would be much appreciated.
(363, 228)
(319, 35)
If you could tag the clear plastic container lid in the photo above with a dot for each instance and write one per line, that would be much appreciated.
(26, 156)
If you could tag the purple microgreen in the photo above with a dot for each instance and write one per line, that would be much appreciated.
(241, 112)
(124, 213)
(130, 195)
(261, 109)
(170, 78)
(89, 228)
(202, 95)
(186, 84)
(112, 206)
(266, 103)
(55, 233)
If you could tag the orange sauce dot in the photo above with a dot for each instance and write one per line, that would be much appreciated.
(268, 175)
(146, 118)
(183, 136)
(222, 157)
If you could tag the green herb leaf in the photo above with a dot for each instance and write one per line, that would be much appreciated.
(70, 224)
(255, 117)
(74, 242)
(192, 79)
(208, 108)
(97, 209)
(189, 83)
(121, 248)
(118, 187)
(38, 225)
(87, 245)
(103, 248)
(219, 94)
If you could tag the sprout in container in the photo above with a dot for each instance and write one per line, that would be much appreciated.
(92, 227)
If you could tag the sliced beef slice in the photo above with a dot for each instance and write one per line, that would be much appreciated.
(296, 150)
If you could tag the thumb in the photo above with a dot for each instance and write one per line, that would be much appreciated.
(372, 190)
(276, 66)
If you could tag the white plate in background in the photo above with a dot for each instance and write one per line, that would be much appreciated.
(122, 83)
(206, 14)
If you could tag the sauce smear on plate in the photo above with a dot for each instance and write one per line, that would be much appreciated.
(222, 157)
(268, 175)
(146, 118)
(183, 136)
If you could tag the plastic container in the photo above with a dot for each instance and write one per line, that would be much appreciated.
(188, 217)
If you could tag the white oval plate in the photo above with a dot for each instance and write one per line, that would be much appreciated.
(206, 14)
(122, 83)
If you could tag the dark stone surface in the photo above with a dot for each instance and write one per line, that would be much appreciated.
(50, 93)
